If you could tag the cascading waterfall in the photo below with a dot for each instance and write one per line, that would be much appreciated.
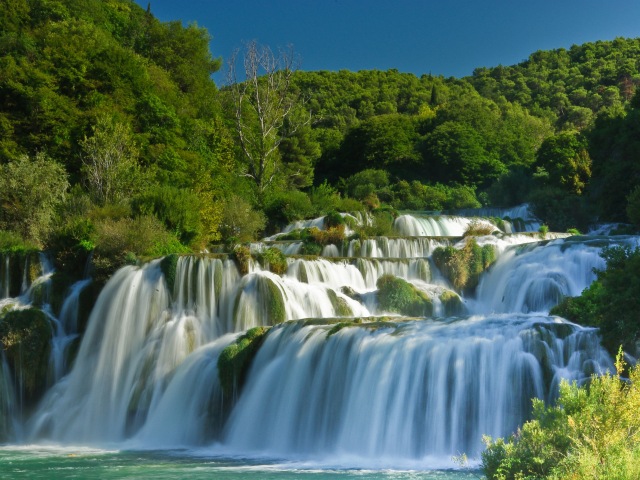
(438, 385)
(435, 226)
(330, 380)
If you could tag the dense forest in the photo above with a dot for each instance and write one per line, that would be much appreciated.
(114, 116)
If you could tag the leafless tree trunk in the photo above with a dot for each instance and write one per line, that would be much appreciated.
(262, 102)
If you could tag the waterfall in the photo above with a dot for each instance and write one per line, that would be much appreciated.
(335, 375)
(436, 226)
(407, 391)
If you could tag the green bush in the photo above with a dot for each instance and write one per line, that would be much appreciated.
(274, 260)
(177, 208)
(592, 432)
(120, 241)
(288, 206)
(464, 266)
(240, 221)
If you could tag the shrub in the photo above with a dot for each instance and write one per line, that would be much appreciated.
(240, 221)
(478, 229)
(591, 433)
(119, 241)
(333, 235)
(178, 209)
(288, 206)
(464, 266)
(31, 189)
(274, 260)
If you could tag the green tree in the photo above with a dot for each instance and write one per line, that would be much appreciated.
(109, 161)
(31, 189)
(565, 159)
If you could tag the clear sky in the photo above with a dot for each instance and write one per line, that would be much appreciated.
(442, 37)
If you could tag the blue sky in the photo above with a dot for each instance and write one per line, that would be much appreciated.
(442, 37)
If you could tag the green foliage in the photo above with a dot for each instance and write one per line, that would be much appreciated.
(235, 360)
(398, 295)
(591, 433)
(560, 210)
(543, 231)
(109, 162)
(243, 258)
(288, 206)
(365, 183)
(240, 221)
(11, 242)
(169, 265)
(464, 266)
(25, 336)
(31, 189)
(563, 162)
(178, 209)
(121, 240)
(612, 302)
(274, 260)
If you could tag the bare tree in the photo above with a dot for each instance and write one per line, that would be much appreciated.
(262, 103)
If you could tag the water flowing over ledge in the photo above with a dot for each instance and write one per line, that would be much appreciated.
(335, 375)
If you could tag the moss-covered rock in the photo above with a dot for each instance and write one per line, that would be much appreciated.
(169, 267)
(451, 303)
(398, 295)
(242, 257)
(25, 336)
(464, 266)
(234, 361)
(276, 308)
(340, 305)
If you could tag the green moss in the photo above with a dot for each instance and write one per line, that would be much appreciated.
(242, 256)
(398, 295)
(276, 308)
(25, 336)
(451, 303)
(339, 326)
(340, 305)
(234, 361)
(169, 267)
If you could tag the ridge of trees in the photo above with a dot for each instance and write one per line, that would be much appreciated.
(123, 107)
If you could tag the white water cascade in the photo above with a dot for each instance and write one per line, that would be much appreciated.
(383, 389)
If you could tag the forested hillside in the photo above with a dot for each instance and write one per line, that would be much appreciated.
(114, 138)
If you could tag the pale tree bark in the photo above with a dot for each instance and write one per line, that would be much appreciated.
(262, 102)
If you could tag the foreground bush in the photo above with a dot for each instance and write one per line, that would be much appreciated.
(593, 432)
